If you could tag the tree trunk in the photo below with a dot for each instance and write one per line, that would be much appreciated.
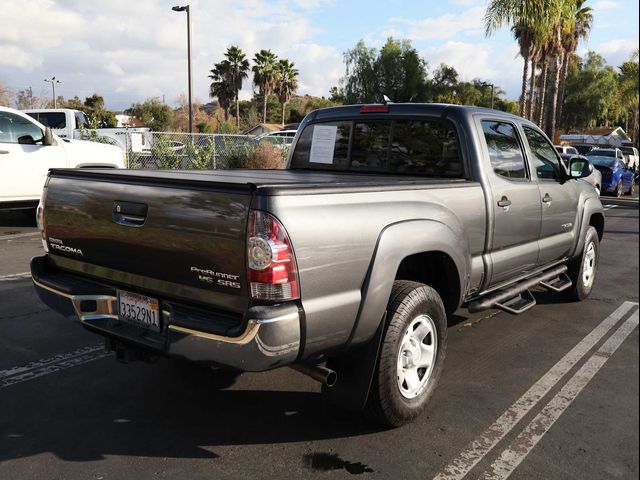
(283, 106)
(554, 76)
(532, 90)
(264, 107)
(525, 76)
(238, 109)
(566, 56)
(543, 90)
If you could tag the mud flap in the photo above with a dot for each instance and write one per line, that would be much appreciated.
(355, 374)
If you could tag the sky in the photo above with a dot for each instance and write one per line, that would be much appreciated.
(131, 50)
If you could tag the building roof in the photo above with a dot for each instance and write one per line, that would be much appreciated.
(263, 127)
(606, 132)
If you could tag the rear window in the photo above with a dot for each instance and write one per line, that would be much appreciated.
(399, 147)
(50, 119)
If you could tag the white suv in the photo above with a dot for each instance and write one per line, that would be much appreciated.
(28, 150)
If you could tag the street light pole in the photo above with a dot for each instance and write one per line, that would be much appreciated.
(186, 8)
(53, 82)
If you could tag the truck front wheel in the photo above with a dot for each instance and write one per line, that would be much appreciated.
(583, 270)
(411, 355)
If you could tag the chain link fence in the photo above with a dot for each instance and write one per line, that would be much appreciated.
(163, 150)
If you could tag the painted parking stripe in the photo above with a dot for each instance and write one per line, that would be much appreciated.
(19, 235)
(481, 446)
(50, 365)
(14, 276)
(513, 456)
(609, 207)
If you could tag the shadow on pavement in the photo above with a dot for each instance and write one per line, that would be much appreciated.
(97, 410)
(18, 218)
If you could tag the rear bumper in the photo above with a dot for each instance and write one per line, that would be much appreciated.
(269, 338)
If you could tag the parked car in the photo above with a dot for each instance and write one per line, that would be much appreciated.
(28, 150)
(617, 178)
(566, 149)
(73, 124)
(387, 219)
(630, 157)
(595, 178)
(606, 152)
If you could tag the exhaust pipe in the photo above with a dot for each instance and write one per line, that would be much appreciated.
(323, 375)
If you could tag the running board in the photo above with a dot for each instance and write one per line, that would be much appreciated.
(558, 284)
(510, 299)
(518, 304)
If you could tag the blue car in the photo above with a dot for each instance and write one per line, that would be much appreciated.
(616, 177)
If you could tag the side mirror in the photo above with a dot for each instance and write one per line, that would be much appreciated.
(47, 139)
(580, 168)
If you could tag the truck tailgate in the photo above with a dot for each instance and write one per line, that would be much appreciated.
(157, 237)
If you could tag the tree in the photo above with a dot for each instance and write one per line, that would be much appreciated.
(94, 108)
(361, 79)
(526, 18)
(222, 86)
(238, 71)
(591, 93)
(397, 71)
(628, 93)
(286, 83)
(153, 113)
(583, 21)
(264, 76)
(6, 95)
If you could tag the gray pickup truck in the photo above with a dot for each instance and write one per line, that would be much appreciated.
(345, 265)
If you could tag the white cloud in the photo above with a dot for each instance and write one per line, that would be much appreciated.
(619, 50)
(487, 62)
(443, 27)
(131, 50)
(606, 5)
(15, 57)
(468, 3)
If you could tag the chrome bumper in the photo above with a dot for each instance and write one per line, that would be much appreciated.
(270, 339)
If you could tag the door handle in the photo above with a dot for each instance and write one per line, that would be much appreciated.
(4, 152)
(504, 202)
(129, 214)
(547, 198)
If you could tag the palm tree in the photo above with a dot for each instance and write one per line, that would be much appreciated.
(583, 21)
(524, 16)
(561, 19)
(264, 76)
(239, 68)
(286, 83)
(222, 86)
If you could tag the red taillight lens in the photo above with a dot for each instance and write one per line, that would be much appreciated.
(271, 263)
(375, 109)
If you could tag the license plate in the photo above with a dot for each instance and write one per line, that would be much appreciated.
(139, 310)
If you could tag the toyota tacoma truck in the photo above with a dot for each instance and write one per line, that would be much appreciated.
(345, 265)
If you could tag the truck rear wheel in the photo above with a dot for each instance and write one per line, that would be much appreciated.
(411, 355)
(583, 270)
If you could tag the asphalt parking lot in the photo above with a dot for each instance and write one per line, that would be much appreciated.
(550, 394)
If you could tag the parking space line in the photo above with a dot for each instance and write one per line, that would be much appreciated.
(481, 446)
(19, 235)
(513, 456)
(50, 365)
(14, 276)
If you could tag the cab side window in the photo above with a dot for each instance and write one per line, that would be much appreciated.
(17, 129)
(505, 151)
(545, 157)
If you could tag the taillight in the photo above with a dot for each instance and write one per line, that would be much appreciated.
(271, 263)
(375, 109)
(40, 220)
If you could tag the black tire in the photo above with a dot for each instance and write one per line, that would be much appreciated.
(386, 404)
(618, 191)
(632, 189)
(579, 291)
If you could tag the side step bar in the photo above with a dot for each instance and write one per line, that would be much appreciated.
(512, 300)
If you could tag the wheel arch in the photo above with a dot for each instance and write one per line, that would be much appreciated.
(402, 250)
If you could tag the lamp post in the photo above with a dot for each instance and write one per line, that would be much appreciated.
(185, 8)
(493, 87)
(53, 82)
